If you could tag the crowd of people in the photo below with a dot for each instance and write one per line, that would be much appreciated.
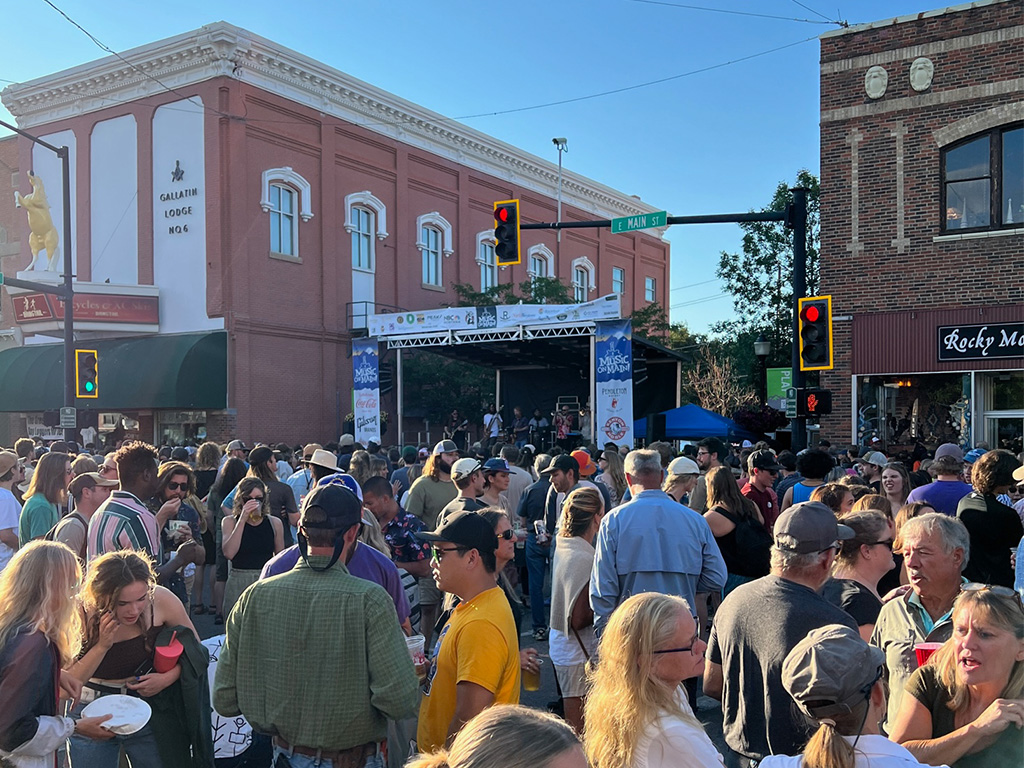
(370, 605)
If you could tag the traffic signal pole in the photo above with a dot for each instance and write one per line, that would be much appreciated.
(66, 291)
(798, 425)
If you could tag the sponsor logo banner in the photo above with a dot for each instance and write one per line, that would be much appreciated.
(366, 383)
(613, 360)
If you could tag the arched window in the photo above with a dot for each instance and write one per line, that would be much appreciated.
(435, 241)
(983, 181)
(487, 259)
(582, 278)
(286, 197)
(366, 220)
(540, 261)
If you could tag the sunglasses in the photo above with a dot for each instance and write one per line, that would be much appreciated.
(178, 486)
(995, 589)
(887, 544)
(253, 498)
(437, 554)
(507, 535)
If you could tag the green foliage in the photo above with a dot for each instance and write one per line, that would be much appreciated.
(651, 322)
(760, 280)
(434, 385)
(539, 290)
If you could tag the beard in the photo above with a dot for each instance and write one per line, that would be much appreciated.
(444, 466)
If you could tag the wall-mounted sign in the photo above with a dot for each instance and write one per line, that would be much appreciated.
(89, 307)
(981, 342)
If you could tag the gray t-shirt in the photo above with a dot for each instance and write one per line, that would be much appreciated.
(756, 626)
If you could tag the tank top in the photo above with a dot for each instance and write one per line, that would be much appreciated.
(256, 546)
(127, 658)
(802, 493)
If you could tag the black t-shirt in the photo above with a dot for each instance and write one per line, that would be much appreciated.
(459, 504)
(854, 598)
(995, 529)
(756, 626)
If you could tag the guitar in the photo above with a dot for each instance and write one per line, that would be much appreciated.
(450, 433)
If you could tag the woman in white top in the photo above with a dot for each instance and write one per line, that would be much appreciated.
(571, 641)
(636, 713)
(835, 679)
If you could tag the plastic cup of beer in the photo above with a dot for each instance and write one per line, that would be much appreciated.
(531, 680)
(924, 651)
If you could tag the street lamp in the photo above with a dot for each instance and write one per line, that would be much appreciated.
(562, 145)
(763, 348)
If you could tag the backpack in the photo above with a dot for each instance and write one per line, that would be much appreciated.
(51, 535)
(753, 545)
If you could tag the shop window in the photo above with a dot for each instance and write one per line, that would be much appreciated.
(650, 289)
(900, 411)
(618, 280)
(983, 181)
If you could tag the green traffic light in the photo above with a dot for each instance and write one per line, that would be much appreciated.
(89, 386)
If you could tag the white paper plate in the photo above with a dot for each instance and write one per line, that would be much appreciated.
(130, 713)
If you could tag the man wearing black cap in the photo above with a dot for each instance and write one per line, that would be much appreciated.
(315, 656)
(763, 469)
(476, 659)
(760, 622)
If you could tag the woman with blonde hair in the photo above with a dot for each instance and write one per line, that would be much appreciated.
(571, 640)
(251, 537)
(966, 705)
(637, 714)
(359, 467)
(681, 479)
(613, 476)
(511, 737)
(47, 491)
(40, 634)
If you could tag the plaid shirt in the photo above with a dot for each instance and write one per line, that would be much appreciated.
(317, 658)
(405, 547)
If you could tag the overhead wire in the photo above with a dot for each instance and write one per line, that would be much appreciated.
(736, 13)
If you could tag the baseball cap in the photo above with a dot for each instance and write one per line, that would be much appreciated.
(409, 454)
(466, 529)
(809, 527)
(464, 468)
(346, 440)
(949, 449)
(8, 459)
(877, 458)
(763, 459)
(683, 465)
(563, 462)
(974, 454)
(830, 671)
(496, 465)
(445, 446)
(587, 465)
(340, 507)
(87, 480)
(179, 454)
(746, 444)
(237, 445)
(423, 453)
(261, 454)
(343, 479)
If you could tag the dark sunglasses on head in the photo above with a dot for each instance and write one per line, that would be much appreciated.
(995, 589)
(178, 486)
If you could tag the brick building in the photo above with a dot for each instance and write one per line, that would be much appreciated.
(922, 233)
(238, 211)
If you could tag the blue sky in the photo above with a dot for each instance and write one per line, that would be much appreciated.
(715, 141)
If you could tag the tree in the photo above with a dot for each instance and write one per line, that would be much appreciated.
(650, 322)
(715, 385)
(538, 290)
(760, 278)
(435, 384)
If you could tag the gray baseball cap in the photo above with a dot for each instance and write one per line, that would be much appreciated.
(873, 457)
(831, 671)
(949, 449)
(809, 527)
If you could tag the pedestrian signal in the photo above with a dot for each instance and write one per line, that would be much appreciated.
(506, 232)
(814, 323)
(814, 402)
(86, 373)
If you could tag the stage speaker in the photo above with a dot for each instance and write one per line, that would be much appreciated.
(655, 427)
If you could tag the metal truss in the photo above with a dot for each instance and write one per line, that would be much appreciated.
(518, 333)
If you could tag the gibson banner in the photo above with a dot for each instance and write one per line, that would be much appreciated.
(613, 358)
(366, 386)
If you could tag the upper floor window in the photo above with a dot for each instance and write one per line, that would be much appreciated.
(650, 289)
(983, 181)
(618, 280)
(487, 259)
(540, 261)
(431, 250)
(284, 233)
(582, 278)
(362, 239)
(366, 222)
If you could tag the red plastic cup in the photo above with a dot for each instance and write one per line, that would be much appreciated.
(165, 657)
(924, 651)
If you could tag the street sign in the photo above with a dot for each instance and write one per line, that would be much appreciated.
(643, 221)
(1, 278)
(791, 403)
(68, 418)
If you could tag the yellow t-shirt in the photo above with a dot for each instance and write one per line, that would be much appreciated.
(477, 645)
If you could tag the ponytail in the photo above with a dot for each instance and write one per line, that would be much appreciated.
(828, 749)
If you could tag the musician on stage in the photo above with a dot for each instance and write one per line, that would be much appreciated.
(565, 424)
(492, 427)
(453, 428)
(520, 427)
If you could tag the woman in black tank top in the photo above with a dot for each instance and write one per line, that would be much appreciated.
(124, 612)
(251, 537)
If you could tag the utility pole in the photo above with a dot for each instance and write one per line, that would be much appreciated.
(798, 222)
(66, 291)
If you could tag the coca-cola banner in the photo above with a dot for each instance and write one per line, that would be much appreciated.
(613, 359)
(493, 317)
(366, 384)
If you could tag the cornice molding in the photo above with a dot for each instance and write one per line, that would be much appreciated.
(224, 50)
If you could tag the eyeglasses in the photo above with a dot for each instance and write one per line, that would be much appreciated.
(995, 589)
(507, 535)
(178, 486)
(437, 554)
(703, 453)
(887, 544)
(107, 468)
(689, 648)
(247, 498)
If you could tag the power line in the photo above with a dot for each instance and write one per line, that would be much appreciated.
(736, 13)
(813, 10)
(693, 285)
(703, 300)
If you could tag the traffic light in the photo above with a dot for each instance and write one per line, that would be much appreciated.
(506, 232)
(86, 373)
(814, 402)
(814, 324)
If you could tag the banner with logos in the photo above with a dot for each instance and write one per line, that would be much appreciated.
(493, 317)
(366, 383)
(613, 358)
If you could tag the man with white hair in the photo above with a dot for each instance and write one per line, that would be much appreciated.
(760, 622)
(652, 544)
(936, 549)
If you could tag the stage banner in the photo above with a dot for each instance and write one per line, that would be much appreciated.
(366, 383)
(613, 357)
(493, 317)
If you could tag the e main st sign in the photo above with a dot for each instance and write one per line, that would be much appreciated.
(981, 342)
(642, 221)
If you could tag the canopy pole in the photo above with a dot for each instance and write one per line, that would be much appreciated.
(593, 387)
(400, 396)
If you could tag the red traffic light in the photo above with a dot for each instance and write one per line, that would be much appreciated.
(811, 313)
(501, 214)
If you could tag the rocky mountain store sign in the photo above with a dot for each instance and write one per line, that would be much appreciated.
(981, 342)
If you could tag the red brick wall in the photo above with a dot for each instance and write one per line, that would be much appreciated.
(977, 57)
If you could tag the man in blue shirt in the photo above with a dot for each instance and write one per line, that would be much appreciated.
(652, 544)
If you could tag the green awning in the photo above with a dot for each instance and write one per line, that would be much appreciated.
(182, 371)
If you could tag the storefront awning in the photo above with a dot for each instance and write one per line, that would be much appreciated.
(170, 371)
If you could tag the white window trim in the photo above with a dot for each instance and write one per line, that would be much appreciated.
(623, 271)
(586, 264)
(540, 251)
(294, 255)
(654, 293)
(366, 199)
(290, 177)
(486, 238)
(436, 220)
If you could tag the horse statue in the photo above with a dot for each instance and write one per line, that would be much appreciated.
(44, 233)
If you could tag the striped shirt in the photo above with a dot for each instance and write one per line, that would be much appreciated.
(123, 522)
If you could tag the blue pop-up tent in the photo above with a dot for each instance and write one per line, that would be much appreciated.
(691, 422)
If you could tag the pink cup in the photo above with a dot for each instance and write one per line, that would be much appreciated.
(924, 652)
(165, 657)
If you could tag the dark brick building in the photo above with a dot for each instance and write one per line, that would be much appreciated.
(922, 233)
